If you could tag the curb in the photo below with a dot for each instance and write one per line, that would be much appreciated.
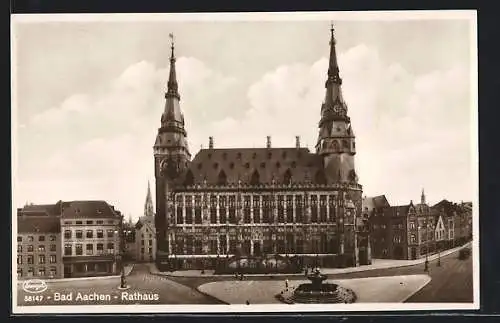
(418, 262)
(416, 291)
(62, 280)
(211, 296)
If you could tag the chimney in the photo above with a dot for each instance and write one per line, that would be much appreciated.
(210, 142)
(268, 141)
(297, 142)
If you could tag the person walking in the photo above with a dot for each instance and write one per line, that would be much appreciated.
(286, 284)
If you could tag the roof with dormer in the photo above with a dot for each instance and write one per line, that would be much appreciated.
(38, 224)
(244, 164)
(89, 209)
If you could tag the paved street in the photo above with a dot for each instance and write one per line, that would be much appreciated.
(140, 281)
(452, 282)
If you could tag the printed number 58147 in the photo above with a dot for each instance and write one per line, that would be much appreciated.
(33, 298)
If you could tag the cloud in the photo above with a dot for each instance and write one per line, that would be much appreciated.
(103, 139)
(412, 130)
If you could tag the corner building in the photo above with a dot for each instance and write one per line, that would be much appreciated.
(248, 202)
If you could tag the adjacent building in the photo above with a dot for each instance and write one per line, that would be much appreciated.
(39, 242)
(248, 202)
(68, 239)
(91, 238)
(145, 233)
(413, 231)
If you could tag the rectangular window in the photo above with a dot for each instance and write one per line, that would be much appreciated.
(30, 238)
(256, 209)
(142, 242)
(79, 249)
(150, 251)
(89, 250)
(41, 259)
(19, 273)
(41, 238)
(232, 210)
(110, 233)
(29, 259)
(223, 244)
(52, 238)
(213, 209)
(53, 271)
(41, 272)
(197, 210)
(68, 250)
(198, 247)
(322, 209)
(100, 234)
(100, 248)
(30, 248)
(53, 247)
(111, 247)
(142, 250)
(266, 210)
(41, 248)
(90, 234)
(90, 222)
(19, 248)
(289, 209)
(79, 222)
(246, 209)
(67, 234)
(281, 209)
(19, 259)
(99, 222)
(222, 209)
(150, 242)
(19, 239)
(53, 259)
(189, 210)
(298, 209)
(79, 234)
(314, 209)
(30, 272)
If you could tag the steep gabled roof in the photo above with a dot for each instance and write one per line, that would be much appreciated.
(244, 164)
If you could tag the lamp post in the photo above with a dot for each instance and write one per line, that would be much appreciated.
(123, 282)
(426, 268)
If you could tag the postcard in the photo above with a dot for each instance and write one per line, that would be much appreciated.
(245, 162)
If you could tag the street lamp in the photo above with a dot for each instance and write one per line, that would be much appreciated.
(123, 283)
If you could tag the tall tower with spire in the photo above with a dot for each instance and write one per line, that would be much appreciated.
(336, 140)
(148, 205)
(422, 197)
(171, 152)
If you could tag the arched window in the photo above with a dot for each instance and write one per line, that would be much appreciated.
(287, 178)
(320, 177)
(335, 145)
(189, 179)
(324, 144)
(222, 180)
(345, 144)
(352, 175)
(255, 179)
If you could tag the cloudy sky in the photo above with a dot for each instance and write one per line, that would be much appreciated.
(89, 96)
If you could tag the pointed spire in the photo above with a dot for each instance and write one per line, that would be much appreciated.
(333, 66)
(422, 197)
(334, 106)
(148, 205)
(173, 87)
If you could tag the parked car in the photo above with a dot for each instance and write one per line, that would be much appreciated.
(464, 253)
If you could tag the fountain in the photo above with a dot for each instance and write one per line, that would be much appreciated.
(317, 291)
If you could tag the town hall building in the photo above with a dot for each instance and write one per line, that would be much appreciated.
(286, 202)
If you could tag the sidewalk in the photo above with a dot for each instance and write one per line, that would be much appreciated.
(128, 269)
(376, 264)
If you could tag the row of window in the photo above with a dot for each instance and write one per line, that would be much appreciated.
(89, 234)
(89, 222)
(323, 244)
(256, 200)
(41, 259)
(41, 248)
(30, 272)
(150, 242)
(89, 249)
(40, 238)
(265, 214)
(150, 250)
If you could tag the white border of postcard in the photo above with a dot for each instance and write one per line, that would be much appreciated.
(296, 16)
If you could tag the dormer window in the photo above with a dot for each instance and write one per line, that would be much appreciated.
(216, 165)
(238, 156)
(269, 155)
(284, 154)
(209, 156)
(262, 165)
(294, 164)
(278, 165)
(247, 165)
(231, 165)
(224, 156)
(254, 155)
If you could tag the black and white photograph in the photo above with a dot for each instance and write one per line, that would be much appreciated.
(245, 162)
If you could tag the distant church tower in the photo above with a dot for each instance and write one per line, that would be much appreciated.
(336, 138)
(171, 153)
(422, 197)
(148, 205)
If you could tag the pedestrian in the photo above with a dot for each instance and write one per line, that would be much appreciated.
(286, 284)
(248, 302)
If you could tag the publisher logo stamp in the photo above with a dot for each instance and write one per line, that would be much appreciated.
(34, 286)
